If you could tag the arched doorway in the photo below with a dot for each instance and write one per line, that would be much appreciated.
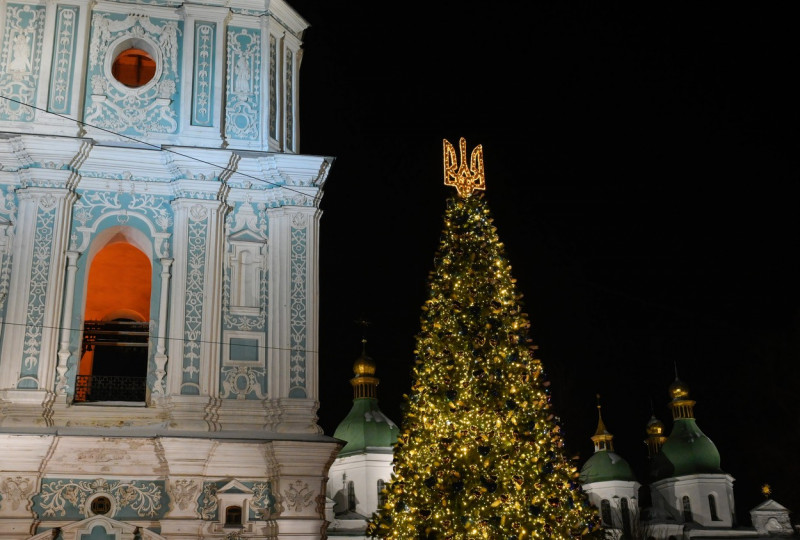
(114, 348)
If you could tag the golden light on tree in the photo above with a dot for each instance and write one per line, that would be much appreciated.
(469, 176)
(480, 453)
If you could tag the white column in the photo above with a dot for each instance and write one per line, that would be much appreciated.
(66, 322)
(177, 304)
(161, 342)
(212, 297)
(278, 315)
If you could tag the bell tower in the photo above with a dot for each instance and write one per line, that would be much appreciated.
(158, 270)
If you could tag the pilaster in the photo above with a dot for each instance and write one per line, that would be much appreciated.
(63, 85)
(292, 338)
(47, 59)
(196, 300)
(30, 344)
(203, 63)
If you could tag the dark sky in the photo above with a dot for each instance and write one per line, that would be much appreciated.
(641, 166)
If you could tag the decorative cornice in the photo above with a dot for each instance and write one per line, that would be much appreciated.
(274, 179)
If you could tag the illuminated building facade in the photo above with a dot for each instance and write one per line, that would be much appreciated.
(689, 495)
(158, 273)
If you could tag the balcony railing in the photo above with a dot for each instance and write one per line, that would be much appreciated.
(115, 334)
(90, 388)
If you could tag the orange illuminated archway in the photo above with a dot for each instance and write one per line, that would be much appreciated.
(116, 336)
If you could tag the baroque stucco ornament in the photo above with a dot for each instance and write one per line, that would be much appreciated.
(116, 107)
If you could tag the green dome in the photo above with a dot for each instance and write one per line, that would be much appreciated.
(603, 466)
(686, 451)
(365, 426)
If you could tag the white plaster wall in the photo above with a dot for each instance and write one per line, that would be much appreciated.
(364, 470)
(668, 496)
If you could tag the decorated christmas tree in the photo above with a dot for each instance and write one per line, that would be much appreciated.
(480, 454)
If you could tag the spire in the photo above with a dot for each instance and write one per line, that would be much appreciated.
(602, 439)
(655, 434)
(365, 383)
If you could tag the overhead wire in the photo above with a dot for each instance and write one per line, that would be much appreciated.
(167, 338)
(224, 168)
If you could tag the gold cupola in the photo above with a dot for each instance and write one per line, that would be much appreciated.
(681, 405)
(602, 439)
(365, 383)
(655, 436)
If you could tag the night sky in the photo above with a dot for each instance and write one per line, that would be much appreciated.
(641, 166)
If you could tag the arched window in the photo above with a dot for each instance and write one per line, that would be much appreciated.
(687, 509)
(712, 507)
(605, 512)
(351, 496)
(116, 329)
(626, 516)
(381, 496)
(233, 515)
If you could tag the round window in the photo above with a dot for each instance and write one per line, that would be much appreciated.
(100, 505)
(133, 67)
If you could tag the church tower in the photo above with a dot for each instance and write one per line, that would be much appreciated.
(158, 273)
(364, 465)
(688, 486)
(608, 480)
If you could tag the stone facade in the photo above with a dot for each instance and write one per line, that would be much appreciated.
(171, 201)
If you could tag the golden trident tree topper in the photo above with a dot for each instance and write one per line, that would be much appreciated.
(465, 178)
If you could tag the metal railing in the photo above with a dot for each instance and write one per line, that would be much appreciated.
(90, 388)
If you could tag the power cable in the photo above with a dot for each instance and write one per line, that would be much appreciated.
(167, 338)
(157, 147)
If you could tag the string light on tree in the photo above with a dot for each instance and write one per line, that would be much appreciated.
(480, 454)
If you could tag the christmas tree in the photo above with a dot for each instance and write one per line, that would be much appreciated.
(480, 454)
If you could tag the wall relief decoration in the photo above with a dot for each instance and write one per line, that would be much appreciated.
(20, 59)
(150, 108)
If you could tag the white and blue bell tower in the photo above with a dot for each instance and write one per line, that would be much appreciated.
(158, 273)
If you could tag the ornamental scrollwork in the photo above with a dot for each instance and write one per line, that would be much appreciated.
(263, 498)
(20, 60)
(64, 58)
(37, 294)
(297, 307)
(243, 86)
(96, 203)
(239, 381)
(193, 315)
(142, 110)
(8, 206)
(208, 502)
(59, 496)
